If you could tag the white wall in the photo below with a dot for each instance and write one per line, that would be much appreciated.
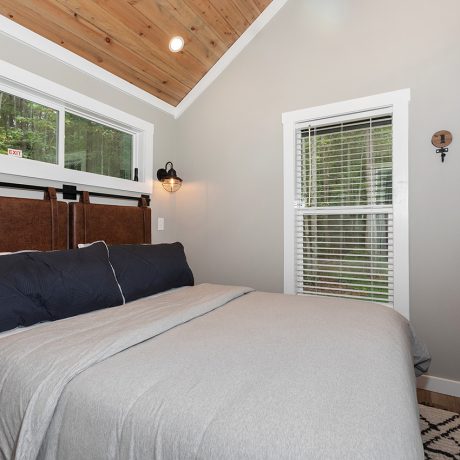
(230, 210)
(41, 64)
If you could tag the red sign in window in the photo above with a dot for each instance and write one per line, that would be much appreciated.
(15, 153)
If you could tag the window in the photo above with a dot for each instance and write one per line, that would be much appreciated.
(97, 148)
(346, 223)
(51, 132)
(28, 127)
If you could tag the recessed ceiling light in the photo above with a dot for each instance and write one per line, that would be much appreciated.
(176, 44)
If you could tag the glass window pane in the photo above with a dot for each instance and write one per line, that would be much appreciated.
(348, 164)
(28, 128)
(347, 255)
(96, 148)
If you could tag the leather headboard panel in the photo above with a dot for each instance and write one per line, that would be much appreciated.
(113, 224)
(33, 224)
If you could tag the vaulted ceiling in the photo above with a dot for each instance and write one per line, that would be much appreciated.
(130, 38)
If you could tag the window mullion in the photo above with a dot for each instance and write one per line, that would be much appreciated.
(61, 138)
(346, 210)
(135, 157)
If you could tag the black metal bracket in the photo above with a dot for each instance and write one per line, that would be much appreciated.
(443, 152)
(147, 198)
(69, 192)
(163, 172)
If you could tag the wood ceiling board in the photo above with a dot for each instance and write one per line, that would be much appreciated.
(261, 4)
(113, 29)
(205, 10)
(101, 54)
(197, 45)
(170, 26)
(248, 9)
(130, 38)
(198, 29)
(232, 15)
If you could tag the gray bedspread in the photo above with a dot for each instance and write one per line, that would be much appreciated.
(213, 372)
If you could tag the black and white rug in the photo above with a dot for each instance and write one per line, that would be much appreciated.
(440, 433)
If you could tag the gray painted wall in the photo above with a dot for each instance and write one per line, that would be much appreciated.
(230, 210)
(41, 64)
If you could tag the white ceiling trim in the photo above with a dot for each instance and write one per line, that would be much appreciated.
(17, 32)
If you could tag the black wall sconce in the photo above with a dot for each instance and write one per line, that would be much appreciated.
(169, 179)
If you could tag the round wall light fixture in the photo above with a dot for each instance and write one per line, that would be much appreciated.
(168, 178)
(176, 44)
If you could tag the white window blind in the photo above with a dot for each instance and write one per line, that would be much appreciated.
(343, 208)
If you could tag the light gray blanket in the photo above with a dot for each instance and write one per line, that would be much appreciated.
(175, 377)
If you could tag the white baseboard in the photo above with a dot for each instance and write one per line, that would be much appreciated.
(439, 385)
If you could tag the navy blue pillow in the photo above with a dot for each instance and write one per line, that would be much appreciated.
(144, 269)
(45, 286)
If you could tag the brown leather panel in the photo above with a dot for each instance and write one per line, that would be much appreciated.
(113, 224)
(33, 224)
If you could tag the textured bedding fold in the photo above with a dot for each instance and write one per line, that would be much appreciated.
(31, 382)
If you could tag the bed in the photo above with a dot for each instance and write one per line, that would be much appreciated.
(178, 371)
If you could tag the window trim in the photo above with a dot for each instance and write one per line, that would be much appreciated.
(29, 86)
(397, 103)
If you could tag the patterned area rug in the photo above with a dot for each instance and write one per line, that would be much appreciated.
(440, 433)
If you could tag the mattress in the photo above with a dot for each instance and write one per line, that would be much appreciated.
(213, 372)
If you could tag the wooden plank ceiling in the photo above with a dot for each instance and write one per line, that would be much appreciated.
(130, 38)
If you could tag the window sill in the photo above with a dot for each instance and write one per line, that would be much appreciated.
(40, 170)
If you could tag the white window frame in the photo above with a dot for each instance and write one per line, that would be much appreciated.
(395, 103)
(27, 85)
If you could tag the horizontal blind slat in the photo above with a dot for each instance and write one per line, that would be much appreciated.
(317, 253)
(348, 286)
(345, 278)
(387, 299)
(349, 290)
